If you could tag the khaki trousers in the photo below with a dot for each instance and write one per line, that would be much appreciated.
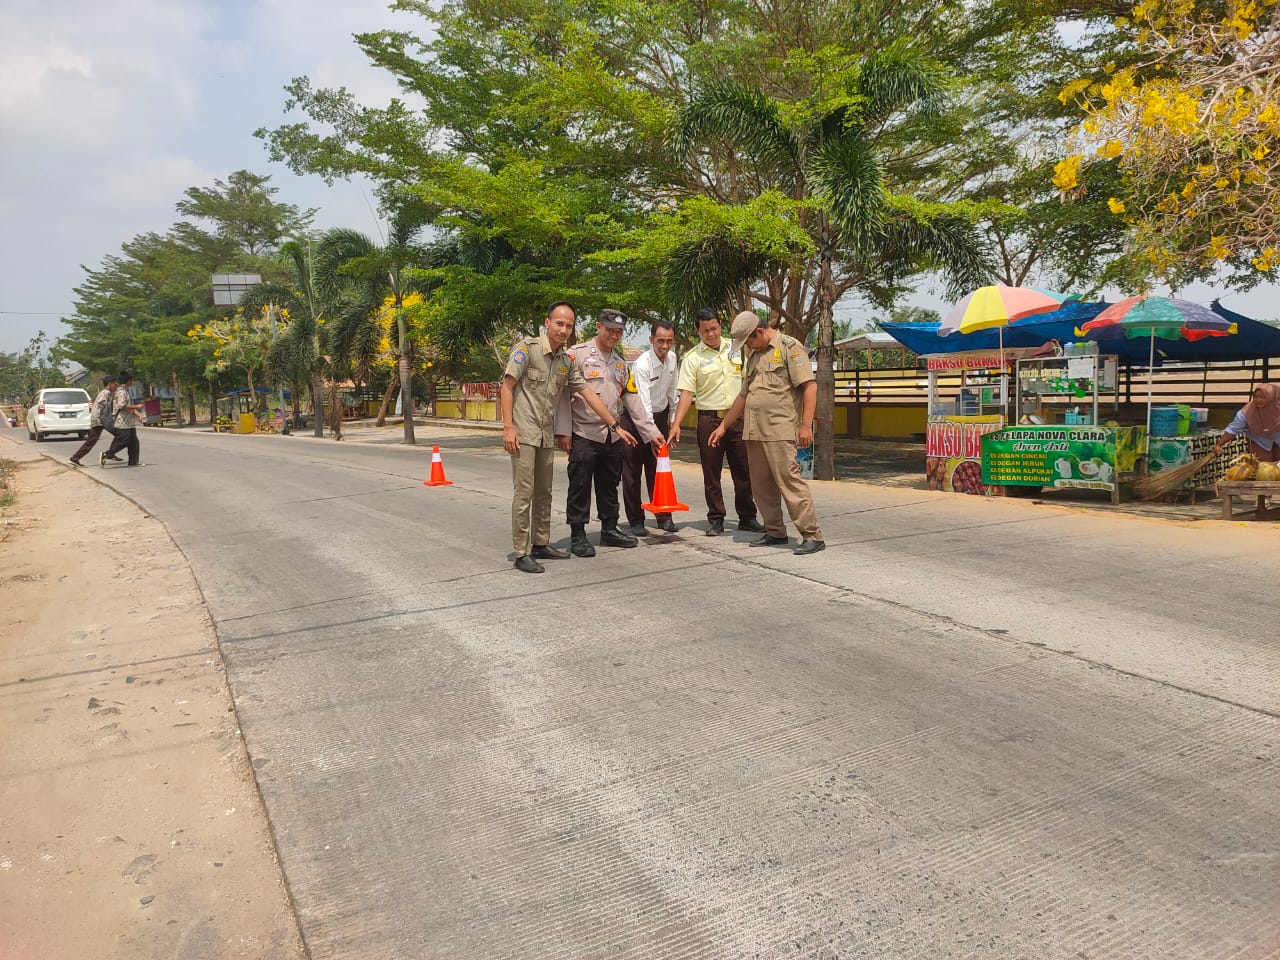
(531, 475)
(775, 479)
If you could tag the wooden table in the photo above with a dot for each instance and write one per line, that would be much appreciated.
(1229, 489)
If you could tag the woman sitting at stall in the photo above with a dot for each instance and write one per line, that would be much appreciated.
(1259, 421)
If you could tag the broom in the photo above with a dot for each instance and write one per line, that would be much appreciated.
(1166, 481)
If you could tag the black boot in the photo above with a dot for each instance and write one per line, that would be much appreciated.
(579, 545)
(611, 536)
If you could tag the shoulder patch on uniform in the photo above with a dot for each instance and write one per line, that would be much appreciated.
(631, 383)
(798, 355)
(519, 357)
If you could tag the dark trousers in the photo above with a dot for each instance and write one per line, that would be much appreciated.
(125, 438)
(90, 441)
(599, 465)
(734, 448)
(636, 461)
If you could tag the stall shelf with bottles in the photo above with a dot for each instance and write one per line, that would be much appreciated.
(1070, 389)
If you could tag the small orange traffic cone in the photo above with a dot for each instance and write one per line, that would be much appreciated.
(437, 471)
(664, 487)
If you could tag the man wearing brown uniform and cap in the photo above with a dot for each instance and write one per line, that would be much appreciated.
(594, 448)
(537, 372)
(779, 395)
(710, 376)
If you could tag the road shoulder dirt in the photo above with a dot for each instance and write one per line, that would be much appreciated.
(130, 824)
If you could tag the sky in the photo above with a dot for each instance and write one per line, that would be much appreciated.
(110, 109)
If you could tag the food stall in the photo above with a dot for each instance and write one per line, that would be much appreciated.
(1063, 438)
(968, 394)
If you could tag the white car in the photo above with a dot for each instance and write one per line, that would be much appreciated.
(58, 410)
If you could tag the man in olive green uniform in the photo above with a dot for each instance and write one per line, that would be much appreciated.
(537, 372)
(778, 395)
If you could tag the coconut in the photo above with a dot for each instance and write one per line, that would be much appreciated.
(1267, 471)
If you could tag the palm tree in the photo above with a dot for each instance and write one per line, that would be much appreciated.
(832, 154)
(324, 328)
(347, 259)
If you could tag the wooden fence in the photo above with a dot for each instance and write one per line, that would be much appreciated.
(893, 403)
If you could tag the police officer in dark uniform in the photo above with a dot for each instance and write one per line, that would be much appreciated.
(595, 450)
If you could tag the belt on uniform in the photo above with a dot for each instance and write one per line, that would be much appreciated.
(718, 414)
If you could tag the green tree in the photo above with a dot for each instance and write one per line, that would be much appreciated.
(327, 329)
(825, 149)
(542, 143)
(134, 310)
(244, 213)
(349, 259)
(238, 342)
(36, 368)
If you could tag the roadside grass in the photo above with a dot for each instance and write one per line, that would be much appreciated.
(7, 493)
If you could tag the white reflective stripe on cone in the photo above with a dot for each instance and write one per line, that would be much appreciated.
(664, 464)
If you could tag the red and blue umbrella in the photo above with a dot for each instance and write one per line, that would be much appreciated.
(1163, 317)
(1152, 317)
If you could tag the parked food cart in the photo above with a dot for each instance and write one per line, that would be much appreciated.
(968, 394)
(1064, 437)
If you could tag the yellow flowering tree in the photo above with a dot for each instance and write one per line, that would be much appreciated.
(1194, 126)
(240, 342)
(429, 362)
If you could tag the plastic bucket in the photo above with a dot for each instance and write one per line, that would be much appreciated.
(1164, 422)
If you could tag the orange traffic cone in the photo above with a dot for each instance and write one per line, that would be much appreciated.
(664, 487)
(437, 471)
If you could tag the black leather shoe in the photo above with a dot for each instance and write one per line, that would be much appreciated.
(638, 530)
(809, 546)
(543, 552)
(581, 547)
(667, 525)
(769, 540)
(527, 564)
(613, 537)
(716, 528)
(751, 524)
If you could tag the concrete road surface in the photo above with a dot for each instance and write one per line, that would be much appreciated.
(970, 728)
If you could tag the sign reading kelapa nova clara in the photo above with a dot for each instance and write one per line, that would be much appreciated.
(1050, 457)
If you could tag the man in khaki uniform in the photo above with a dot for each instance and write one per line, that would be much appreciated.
(537, 373)
(779, 395)
(595, 449)
(711, 376)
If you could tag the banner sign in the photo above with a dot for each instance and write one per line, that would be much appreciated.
(953, 448)
(949, 436)
(479, 391)
(1051, 457)
(986, 361)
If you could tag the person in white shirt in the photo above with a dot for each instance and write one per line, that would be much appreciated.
(653, 378)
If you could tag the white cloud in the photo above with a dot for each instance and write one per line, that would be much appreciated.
(153, 178)
(81, 74)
